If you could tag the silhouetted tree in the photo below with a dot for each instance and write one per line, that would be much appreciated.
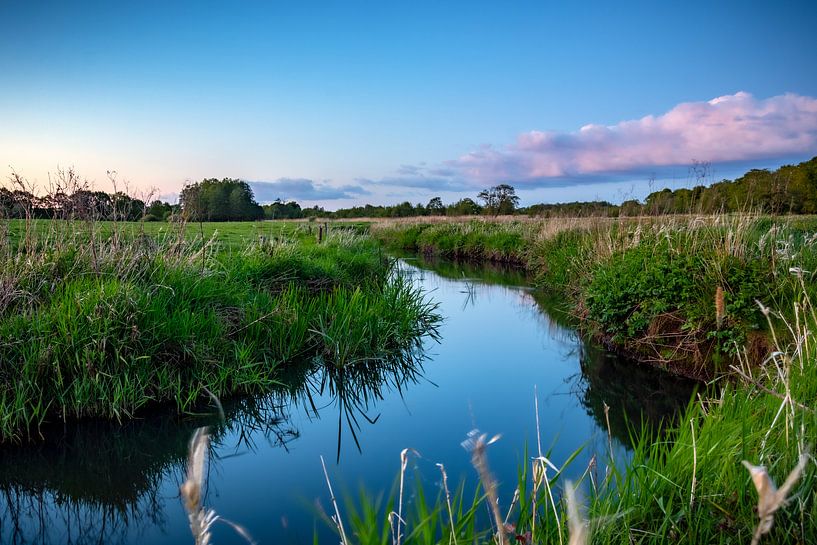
(500, 199)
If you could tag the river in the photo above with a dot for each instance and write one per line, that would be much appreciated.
(501, 345)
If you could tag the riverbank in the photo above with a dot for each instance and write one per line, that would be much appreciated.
(736, 294)
(98, 325)
(678, 293)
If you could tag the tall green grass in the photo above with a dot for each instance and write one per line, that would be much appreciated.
(100, 326)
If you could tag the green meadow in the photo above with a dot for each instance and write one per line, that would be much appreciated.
(229, 235)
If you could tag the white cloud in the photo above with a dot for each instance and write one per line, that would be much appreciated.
(729, 128)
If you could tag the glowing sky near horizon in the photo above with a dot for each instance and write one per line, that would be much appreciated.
(343, 103)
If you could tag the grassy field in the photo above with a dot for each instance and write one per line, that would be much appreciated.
(735, 294)
(228, 235)
(105, 320)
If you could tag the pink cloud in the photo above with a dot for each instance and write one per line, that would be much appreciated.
(729, 128)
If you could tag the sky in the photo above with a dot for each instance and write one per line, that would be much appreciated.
(343, 103)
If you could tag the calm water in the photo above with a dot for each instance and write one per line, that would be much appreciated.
(98, 483)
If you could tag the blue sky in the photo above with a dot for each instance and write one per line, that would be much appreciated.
(345, 102)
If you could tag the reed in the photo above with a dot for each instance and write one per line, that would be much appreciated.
(200, 517)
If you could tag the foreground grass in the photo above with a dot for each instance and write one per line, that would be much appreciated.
(98, 325)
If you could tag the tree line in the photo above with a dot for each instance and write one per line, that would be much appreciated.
(790, 189)
(208, 200)
(18, 203)
(498, 200)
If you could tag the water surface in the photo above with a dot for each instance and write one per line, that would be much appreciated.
(100, 483)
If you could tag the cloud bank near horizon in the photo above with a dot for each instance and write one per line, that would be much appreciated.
(304, 189)
(726, 129)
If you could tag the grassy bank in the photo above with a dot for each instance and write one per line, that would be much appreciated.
(675, 292)
(98, 325)
(504, 242)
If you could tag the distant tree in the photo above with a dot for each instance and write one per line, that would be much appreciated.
(435, 207)
(158, 211)
(126, 208)
(464, 207)
(573, 209)
(282, 210)
(314, 212)
(7, 204)
(630, 208)
(402, 210)
(239, 204)
(500, 199)
(659, 202)
(802, 183)
(191, 201)
(220, 200)
(84, 204)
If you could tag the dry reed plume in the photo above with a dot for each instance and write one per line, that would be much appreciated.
(770, 498)
(453, 538)
(336, 517)
(579, 534)
(720, 307)
(476, 444)
(201, 518)
(396, 534)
